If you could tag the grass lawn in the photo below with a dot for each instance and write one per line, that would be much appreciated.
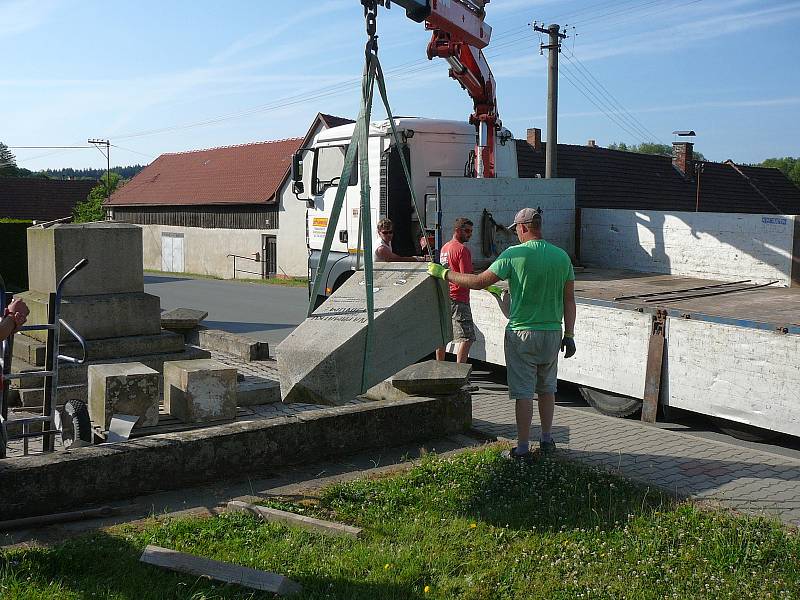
(472, 526)
(290, 281)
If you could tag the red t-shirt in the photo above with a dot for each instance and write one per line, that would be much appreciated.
(456, 256)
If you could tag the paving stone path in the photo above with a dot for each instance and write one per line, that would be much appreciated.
(743, 479)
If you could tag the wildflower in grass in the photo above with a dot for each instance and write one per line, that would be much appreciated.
(427, 589)
(473, 525)
(386, 567)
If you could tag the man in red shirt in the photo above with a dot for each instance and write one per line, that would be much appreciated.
(457, 257)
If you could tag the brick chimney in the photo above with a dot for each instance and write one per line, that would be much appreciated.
(535, 138)
(682, 157)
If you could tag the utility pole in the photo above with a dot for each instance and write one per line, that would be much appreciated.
(553, 47)
(107, 154)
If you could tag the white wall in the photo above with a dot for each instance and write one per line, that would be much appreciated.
(719, 246)
(503, 197)
(292, 250)
(206, 251)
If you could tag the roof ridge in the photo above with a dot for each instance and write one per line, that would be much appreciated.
(290, 139)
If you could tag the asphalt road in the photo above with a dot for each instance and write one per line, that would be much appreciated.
(267, 313)
(270, 312)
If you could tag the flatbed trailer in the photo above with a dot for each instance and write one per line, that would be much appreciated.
(731, 349)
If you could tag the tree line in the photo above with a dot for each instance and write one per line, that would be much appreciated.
(9, 168)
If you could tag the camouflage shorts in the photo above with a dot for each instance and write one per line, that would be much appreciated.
(463, 327)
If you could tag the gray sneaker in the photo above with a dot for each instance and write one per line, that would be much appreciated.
(547, 447)
(519, 456)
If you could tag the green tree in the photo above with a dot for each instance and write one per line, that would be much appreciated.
(8, 162)
(650, 148)
(92, 208)
(788, 165)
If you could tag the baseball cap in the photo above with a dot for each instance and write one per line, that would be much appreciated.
(526, 215)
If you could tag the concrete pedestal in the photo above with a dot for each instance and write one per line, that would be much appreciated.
(197, 391)
(321, 361)
(123, 388)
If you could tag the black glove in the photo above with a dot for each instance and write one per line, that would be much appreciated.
(568, 346)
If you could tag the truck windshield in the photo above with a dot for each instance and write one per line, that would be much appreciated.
(329, 163)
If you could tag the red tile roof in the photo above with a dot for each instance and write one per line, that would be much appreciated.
(245, 174)
(41, 199)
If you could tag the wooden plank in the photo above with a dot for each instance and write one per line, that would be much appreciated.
(221, 571)
(287, 518)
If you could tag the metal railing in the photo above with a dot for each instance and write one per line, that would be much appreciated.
(258, 260)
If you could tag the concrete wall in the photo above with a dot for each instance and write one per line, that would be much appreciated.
(503, 197)
(205, 251)
(720, 246)
(48, 483)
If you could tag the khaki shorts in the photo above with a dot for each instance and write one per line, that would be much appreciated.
(531, 362)
(463, 327)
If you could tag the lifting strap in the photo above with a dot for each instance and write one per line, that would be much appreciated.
(359, 141)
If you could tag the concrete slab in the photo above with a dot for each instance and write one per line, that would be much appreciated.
(123, 388)
(182, 319)
(114, 251)
(199, 391)
(432, 377)
(322, 360)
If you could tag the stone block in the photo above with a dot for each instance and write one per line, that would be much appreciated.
(182, 319)
(98, 316)
(114, 251)
(322, 360)
(239, 346)
(432, 377)
(197, 391)
(123, 388)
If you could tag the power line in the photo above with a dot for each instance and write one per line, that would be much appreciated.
(587, 93)
(611, 100)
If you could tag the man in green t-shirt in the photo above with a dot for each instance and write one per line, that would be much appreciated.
(542, 286)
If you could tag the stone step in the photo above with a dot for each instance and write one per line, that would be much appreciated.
(252, 391)
(69, 373)
(256, 390)
(34, 397)
(33, 351)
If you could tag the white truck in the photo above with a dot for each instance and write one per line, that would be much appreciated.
(716, 331)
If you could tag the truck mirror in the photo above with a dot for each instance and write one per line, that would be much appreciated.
(297, 168)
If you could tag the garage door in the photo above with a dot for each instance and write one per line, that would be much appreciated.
(172, 252)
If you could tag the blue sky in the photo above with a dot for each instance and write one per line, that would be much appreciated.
(157, 77)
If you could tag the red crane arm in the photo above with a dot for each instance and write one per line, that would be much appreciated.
(459, 35)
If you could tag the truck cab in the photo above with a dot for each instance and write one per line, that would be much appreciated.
(433, 148)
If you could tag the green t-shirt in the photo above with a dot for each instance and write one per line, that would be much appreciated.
(536, 272)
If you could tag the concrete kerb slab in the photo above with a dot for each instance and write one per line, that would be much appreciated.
(65, 480)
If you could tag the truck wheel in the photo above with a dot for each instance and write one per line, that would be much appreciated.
(75, 423)
(610, 404)
(747, 433)
(341, 279)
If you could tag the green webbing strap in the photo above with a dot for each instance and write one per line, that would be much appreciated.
(443, 313)
(338, 201)
(365, 222)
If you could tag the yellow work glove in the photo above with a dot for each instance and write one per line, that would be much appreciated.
(495, 290)
(438, 271)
